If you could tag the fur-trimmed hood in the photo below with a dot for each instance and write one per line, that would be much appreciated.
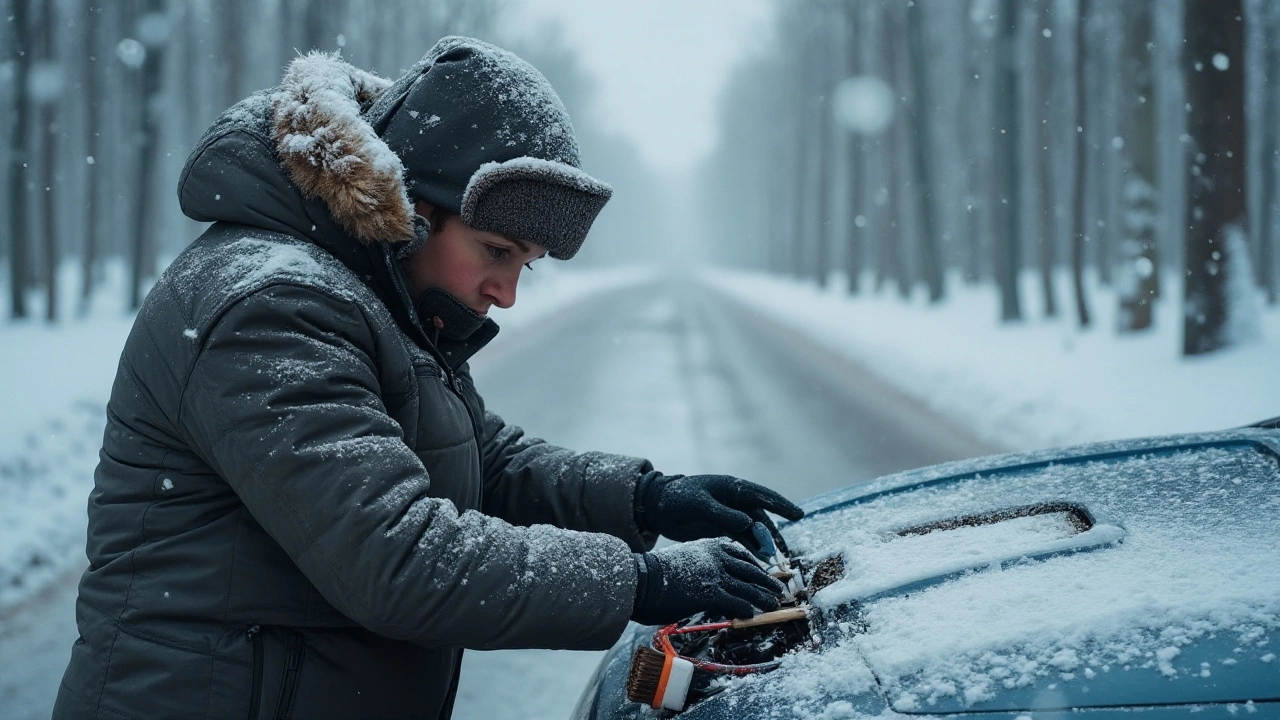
(331, 151)
(301, 159)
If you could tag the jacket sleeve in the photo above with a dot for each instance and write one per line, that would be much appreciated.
(284, 402)
(527, 481)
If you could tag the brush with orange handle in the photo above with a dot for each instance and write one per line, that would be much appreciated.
(661, 677)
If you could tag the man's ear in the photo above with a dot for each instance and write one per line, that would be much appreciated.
(423, 208)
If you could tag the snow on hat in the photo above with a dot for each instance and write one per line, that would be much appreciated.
(482, 134)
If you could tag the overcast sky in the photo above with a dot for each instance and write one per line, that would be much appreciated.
(660, 63)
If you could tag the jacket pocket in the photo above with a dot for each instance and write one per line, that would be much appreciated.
(275, 675)
(255, 688)
(294, 649)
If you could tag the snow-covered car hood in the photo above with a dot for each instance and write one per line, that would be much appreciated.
(1167, 593)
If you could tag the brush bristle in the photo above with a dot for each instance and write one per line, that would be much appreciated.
(645, 675)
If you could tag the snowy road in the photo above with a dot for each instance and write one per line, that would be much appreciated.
(668, 371)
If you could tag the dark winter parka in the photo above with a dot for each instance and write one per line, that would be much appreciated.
(303, 508)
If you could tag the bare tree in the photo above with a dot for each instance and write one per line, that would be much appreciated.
(891, 239)
(1102, 127)
(980, 175)
(47, 90)
(1137, 277)
(921, 151)
(857, 155)
(801, 141)
(1079, 188)
(92, 72)
(19, 165)
(824, 145)
(231, 50)
(153, 32)
(1216, 216)
(1008, 256)
(1270, 152)
(1041, 157)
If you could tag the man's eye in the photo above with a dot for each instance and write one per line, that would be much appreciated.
(496, 252)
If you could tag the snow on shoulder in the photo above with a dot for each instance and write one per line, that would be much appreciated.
(252, 261)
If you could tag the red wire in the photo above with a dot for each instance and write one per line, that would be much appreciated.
(701, 628)
(662, 641)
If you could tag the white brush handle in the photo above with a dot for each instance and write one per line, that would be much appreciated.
(770, 618)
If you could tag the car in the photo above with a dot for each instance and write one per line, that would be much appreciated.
(1134, 579)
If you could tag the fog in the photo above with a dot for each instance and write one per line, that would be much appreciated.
(846, 238)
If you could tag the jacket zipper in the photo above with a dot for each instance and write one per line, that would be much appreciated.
(254, 634)
(292, 666)
(476, 430)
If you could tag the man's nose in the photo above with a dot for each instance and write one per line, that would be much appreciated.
(502, 289)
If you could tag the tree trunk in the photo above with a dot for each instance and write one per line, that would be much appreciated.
(802, 66)
(232, 50)
(45, 128)
(822, 90)
(893, 236)
(1270, 153)
(921, 146)
(799, 162)
(856, 223)
(95, 62)
(19, 165)
(1213, 62)
(778, 190)
(322, 23)
(1041, 156)
(1100, 129)
(1137, 273)
(1081, 160)
(144, 216)
(315, 31)
(978, 176)
(1008, 260)
(291, 24)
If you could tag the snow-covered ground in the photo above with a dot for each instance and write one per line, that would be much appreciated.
(1036, 383)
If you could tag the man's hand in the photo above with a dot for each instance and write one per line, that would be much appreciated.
(712, 575)
(702, 506)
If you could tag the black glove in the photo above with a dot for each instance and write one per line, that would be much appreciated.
(712, 575)
(699, 506)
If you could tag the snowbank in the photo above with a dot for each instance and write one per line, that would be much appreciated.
(1035, 383)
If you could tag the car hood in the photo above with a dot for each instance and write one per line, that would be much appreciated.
(1123, 574)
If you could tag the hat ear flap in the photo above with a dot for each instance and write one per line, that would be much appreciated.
(421, 231)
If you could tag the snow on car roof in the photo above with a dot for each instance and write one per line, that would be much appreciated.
(1184, 547)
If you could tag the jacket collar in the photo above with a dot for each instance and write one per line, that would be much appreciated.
(453, 327)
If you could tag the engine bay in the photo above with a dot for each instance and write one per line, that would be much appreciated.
(692, 660)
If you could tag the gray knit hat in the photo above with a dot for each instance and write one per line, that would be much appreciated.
(482, 134)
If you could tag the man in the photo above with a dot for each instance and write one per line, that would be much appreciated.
(303, 508)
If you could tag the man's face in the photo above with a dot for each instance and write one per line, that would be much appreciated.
(479, 268)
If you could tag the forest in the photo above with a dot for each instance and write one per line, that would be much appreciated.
(894, 144)
(105, 100)
(889, 145)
